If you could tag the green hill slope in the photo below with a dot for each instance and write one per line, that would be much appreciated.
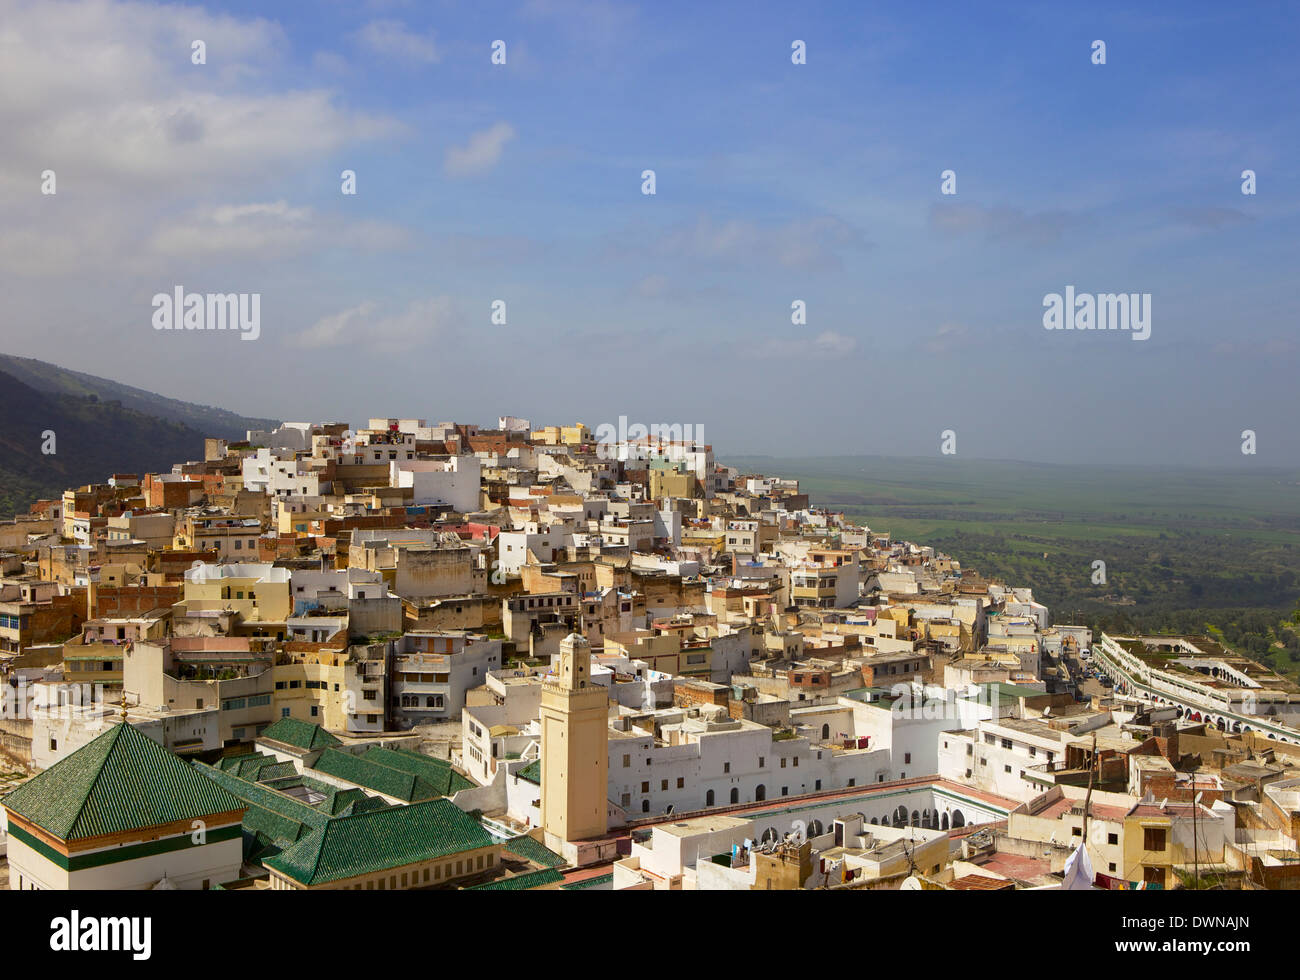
(94, 438)
(54, 380)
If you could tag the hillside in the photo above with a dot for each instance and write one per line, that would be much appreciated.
(54, 380)
(94, 438)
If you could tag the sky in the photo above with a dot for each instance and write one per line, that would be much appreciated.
(775, 183)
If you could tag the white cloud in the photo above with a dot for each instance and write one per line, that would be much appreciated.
(828, 343)
(481, 153)
(364, 324)
(105, 94)
(947, 338)
(393, 39)
(269, 230)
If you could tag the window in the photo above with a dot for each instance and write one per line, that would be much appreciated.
(1112, 839)
(782, 762)
(907, 757)
(284, 712)
(663, 785)
(627, 761)
(1153, 839)
(681, 783)
(645, 787)
(645, 806)
(54, 744)
(726, 767)
(1006, 768)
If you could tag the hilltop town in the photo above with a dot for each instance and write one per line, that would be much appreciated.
(413, 656)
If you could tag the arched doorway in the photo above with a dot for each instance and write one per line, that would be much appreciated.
(760, 794)
(943, 824)
(958, 820)
(708, 798)
(826, 731)
(735, 795)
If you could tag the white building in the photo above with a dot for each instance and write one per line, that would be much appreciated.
(122, 813)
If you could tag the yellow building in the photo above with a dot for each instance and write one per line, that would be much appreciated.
(258, 591)
(1159, 837)
(575, 435)
(314, 689)
(575, 748)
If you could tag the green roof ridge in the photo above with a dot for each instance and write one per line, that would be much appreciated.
(376, 840)
(518, 883)
(300, 734)
(401, 785)
(120, 781)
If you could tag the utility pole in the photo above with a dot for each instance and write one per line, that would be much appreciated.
(1087, 799)
(1196, 853)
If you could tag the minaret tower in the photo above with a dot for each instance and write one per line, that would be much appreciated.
(575, 748)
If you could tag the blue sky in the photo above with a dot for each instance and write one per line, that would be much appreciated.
(775, 182)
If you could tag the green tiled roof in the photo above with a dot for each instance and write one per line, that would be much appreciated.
(531, 850)
(300, 734)
(275, 770)
(531, 772)
(366, 843)
(248, 765)
(270, 816)
(256, 794)
(438, 773)
(340, 800)
(367, 804)
(598, 882)
(404, 786)
(519, 883)
(123, 780)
